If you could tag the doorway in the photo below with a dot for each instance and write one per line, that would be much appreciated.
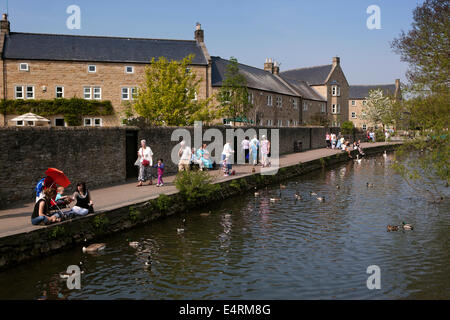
(131, 153)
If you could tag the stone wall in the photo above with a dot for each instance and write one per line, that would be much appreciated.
(98, 155)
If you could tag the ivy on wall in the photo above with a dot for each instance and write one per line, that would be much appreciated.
(73, 109)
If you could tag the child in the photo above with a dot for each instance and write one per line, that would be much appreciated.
(225, 167)
(160, 167)
(60, 200)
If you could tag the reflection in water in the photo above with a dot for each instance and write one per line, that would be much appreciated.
(252, 248)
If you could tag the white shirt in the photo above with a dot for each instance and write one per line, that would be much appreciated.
(245, 144)
(186, 155)
(227, 151)
(148, 153)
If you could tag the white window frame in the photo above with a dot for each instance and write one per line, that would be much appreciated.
(27, 67)
(129, 72)
(334, 108)
(97, 125)
(20, 125)
(98, 93)
(32, 92)
(89, 68)
(56, 92)
(364, 127)
(125, 91)
(88, 125)
(353, 115)
(90, 93)
(195, 95)
(336, 91)
(295, 103)
(269, 100)
(324, 107)
(16, 91)
(288, 123)
(305, 106)
(250, 98)
(353, 103)
(279, 102)
(54, 122)
(269, 122)
(280, 122)
(338, 109)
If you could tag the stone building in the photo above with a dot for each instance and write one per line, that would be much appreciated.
(48, 66)
(358, 98)
(330, 83)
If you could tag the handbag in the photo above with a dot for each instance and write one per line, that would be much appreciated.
(145, 162)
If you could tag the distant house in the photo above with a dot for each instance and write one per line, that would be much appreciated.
(330, 83)
(358, 98)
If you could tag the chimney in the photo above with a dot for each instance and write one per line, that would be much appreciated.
(336, 61)
(276, 68)
(268, 65)
(199, 34)
(4, 24)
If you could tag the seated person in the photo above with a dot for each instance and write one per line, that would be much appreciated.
(83, 204)
(60, 200)
(41, 212)
(195, 161)
(203, 155)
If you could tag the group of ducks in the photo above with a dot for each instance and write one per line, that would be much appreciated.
(297, 195)
(404, 226)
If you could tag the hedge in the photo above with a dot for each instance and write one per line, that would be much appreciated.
(73, 109)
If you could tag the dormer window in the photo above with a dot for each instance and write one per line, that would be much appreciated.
(24, 67)
(92, 68)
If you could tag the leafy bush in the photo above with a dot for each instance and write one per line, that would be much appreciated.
(379, 136)
(347, 127)
(195, 185)
(73, 109)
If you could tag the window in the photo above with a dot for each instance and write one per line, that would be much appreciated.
(305, 106)
(287, 123)
(19, 123)
(269, 122)
(23, 67)
(250, 98)
(279, 102)
(125, 94)
(364, 102)
(87, 122)
(59, 122)
(129, 69)
(295, 103)
(98, 122)
(280, 123)
(336, 108)
(30, 92)
(97, 93)
(133, 93)
(269, 100)
(353, 103)
(353, 115)
(18, 92)
(92, 68)
(364, 126)
(87, 92)
(335, 91)
(324, 107)
(59, 92)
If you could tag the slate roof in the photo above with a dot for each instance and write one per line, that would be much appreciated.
(362, 91)
(33, 46)
(305, 90)
(312, 75)
(256, 78)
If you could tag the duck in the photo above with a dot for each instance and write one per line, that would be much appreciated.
(65, 275)
(321, 199)
(312, 193)
(133, 244)
(392, 228)
(205, 214)
(256, 193)
(95, 247)
(338, 187)
(275, 199)
(148, 263)
(181, 230)
(369, 185)
(358, 159)
(407, 226)
(298, 196)
(385, 154)
(253, 170)
(282, 186)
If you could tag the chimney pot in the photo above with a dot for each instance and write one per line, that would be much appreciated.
(199, 34)
(336, 61)
(4, 24)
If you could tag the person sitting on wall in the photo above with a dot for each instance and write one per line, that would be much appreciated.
(41, 212)
(83, 204)
(203, 155)
(195, 162)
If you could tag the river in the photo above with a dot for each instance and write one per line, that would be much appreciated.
(251, 248)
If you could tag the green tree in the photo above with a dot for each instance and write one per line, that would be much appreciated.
(347, 127)
(233, 95)
(378, 108)
(168, 95)
(426, 49)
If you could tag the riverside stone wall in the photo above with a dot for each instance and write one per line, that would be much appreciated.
(98, 157)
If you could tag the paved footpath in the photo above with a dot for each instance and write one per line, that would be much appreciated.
(17, 219)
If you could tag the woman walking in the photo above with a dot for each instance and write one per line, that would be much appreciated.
(265, 150)
(145, 163)
(254, 145)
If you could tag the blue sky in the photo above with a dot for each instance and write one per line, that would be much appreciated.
(297, 33)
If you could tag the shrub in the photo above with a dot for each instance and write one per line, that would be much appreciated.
(347, 127)
(73, 109)
(195, 185)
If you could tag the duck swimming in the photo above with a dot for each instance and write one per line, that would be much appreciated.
(275, 199)
(95, 247)
(311, 193)
(205, 214)
(298, 196)
(369, 185)
(133, 244)
(181, 230)
(321, 199)
(407, 226)
(385, 154)
(392, 228)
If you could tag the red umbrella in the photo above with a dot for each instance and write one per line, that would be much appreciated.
(58, 177)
